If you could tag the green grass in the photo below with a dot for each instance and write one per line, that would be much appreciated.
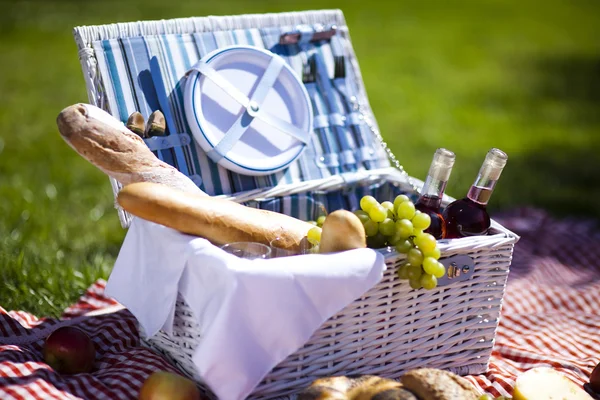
(466, 75)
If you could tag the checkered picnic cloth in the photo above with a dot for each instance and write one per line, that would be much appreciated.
(550, 317)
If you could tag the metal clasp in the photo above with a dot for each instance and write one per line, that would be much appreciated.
(458, 268)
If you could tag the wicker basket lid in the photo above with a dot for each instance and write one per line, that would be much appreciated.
(144, 66)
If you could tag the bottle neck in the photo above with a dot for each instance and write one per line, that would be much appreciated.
(433, 190)
(489, 173)
(482, 189)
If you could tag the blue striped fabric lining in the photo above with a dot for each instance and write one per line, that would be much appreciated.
(127, 66)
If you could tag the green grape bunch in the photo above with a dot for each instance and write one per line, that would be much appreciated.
(400, 225)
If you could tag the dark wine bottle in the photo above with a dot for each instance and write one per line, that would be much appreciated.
(430, 199)
(469, 216)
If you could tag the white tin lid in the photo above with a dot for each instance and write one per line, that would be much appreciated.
(248, 110)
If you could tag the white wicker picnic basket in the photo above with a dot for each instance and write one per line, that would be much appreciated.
(390, 329)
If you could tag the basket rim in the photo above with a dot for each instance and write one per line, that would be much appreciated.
(86, 34)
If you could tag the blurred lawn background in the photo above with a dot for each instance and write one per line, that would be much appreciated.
(466, 75)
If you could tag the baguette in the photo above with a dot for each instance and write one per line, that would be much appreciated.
(121, 154)
(218, 220)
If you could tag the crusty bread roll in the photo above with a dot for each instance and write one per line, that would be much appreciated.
(436, 384)
(109, 145)
(342, 230)
(366, 387)
(218, 220)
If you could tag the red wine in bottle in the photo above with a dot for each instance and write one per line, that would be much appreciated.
(469, 216)
(430, 200)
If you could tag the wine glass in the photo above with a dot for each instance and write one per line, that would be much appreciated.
(248, 250)
(278, 249)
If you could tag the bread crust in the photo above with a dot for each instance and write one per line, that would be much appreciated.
(342, 230)
(365, 387)
(436, 384)
(218, 220)
(115, 150)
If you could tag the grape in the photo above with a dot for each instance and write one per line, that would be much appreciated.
(403, 271)
(378, 213)
(363, 216)
(441, 271)
(314, 235)
(414, 272)
(320, 220)
(425, 242)
(394, 239)
(433, 267)
(435, 253)
(387, 227)
(421, 221)
(485, 397)
(404, 228)
(368, 202)
(401, 198)
(415, 283)
(428, 281)
(404, 246)
(406, 209)
(415, 257)
(389, 206)
(371, 228)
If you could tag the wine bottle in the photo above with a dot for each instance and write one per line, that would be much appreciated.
(468, 216)
(430, 199)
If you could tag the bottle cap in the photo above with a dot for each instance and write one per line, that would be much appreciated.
(494, 162)
(441, 165)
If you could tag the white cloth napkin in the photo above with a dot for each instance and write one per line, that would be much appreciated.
(252, 313)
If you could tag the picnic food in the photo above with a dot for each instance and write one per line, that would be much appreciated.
(162, 385)
(468, 216)
(544, 383)
(396, 224)
(436, 384)
(425, 383)
(109, 145)
(430, 200)
(218, 220)
(342, 231)
(399, 224)
(69, 350)
(356, 388)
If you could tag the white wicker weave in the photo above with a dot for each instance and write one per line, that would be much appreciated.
(391, 328)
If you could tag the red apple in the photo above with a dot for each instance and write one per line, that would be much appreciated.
(162, 385)
(69, 350)
(595, 379)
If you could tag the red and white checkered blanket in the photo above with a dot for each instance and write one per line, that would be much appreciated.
(550, 317)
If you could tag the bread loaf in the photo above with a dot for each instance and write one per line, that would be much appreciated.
(436, 384)
(366, 387)
(109, 145)
(342, 230)
(218, 220)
